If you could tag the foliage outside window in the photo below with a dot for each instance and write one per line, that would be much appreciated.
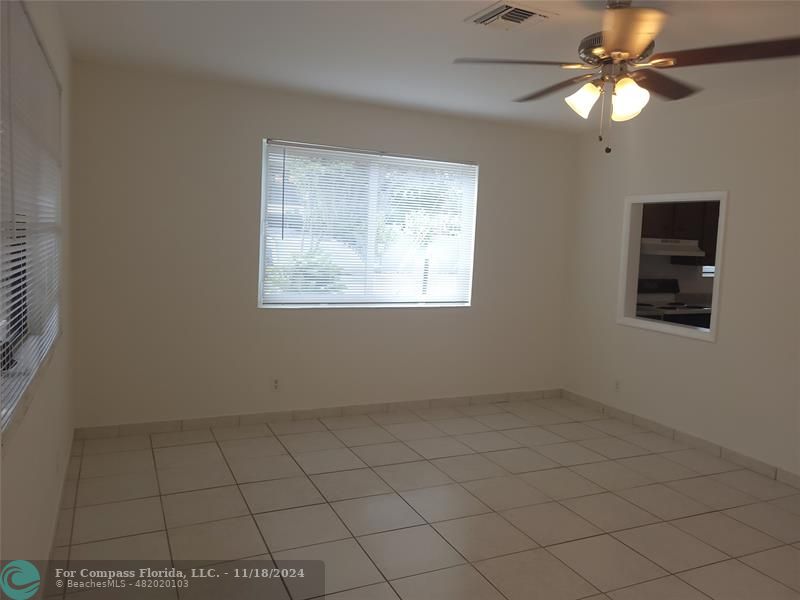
(349, 228)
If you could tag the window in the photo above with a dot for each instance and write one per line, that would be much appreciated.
(30, 179)
(671, 263)
(350, 228)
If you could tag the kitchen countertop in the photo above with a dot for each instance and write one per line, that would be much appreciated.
(655, 311)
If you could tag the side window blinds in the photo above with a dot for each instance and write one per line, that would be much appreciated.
(30, 192)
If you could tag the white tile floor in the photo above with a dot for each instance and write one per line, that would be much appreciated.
(528, 500)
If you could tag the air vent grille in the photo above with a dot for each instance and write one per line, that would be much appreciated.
(517, 15)
(505, 15)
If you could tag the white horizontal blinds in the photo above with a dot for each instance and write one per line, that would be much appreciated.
(345, 227)
(29, 207)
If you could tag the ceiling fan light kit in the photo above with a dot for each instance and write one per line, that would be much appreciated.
(628, 100)
(584, 99)
(622, 56)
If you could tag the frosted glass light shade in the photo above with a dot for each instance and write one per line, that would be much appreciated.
(628, 100)
(584, 99)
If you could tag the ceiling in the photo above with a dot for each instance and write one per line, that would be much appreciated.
(401, 52)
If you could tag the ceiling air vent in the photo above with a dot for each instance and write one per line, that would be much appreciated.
(505, 15)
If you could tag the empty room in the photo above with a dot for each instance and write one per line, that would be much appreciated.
(400, 300)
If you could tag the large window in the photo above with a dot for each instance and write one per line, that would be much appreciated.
(350, 228)
(30, 176)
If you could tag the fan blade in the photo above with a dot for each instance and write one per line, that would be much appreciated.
(555, 87)
(512, 61)
(630, 30)
(732, 53)
(660, 84)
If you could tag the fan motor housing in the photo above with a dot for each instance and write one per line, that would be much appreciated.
(592, 52)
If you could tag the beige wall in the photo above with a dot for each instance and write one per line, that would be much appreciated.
(165, 261)
(167, 174)
(742, 391)
(167, 170)
(36, 450)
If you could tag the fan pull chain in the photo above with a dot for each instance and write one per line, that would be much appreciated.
(600, 136)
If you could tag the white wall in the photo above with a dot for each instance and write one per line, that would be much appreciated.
(167, 173)
(35, 451)
(167, 181)
(742, 391)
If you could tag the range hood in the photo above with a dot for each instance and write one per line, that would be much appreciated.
(668, 247)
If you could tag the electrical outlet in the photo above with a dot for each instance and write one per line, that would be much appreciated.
(276, 385)
(617, 385)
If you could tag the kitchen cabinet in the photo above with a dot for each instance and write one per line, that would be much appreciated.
(684, 221)
(707, 236)
(708, 242)
(658, 219)
(688, 221)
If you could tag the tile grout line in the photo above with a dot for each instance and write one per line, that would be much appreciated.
(611, 533)
(74, 512)
(604, 532)
(544, 399)
(507, 473)
(161, 504)
(569, 467)
(429, 461)
(355, 539)
(659, 520)
(676, 573)
(431, 526)
(427, 524)
(247, 505)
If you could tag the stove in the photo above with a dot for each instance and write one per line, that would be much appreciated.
(657, 299)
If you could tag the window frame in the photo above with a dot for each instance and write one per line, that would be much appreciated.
(43, 329)
(352, 303)
(629, 265)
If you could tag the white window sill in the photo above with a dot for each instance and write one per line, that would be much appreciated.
(385, 305)
(26, 367)
(687, 331)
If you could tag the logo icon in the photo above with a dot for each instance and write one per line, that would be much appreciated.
(19, 580)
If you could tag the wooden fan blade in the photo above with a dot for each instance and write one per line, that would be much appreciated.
(664, 86)
(732, 53)
(555, 87)
(630, 30)
(512, 61)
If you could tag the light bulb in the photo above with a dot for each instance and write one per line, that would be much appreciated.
(628, 100)
(584, 99)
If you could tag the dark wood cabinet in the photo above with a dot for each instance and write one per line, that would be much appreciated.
(689, 220)
(684, 221)
(657, 220)
(708, 241)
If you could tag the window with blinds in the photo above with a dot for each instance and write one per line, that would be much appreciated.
(30, 180)
(351, 228)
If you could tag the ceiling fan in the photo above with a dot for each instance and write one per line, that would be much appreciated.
(620, 59)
